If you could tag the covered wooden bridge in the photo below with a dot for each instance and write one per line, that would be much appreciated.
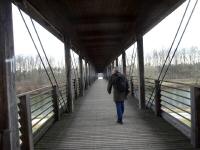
(80, 114)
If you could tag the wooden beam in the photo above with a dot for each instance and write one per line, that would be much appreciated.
(116, 61)
(141, 71)
(99, 32)
(99, 43)
(103, 20)
(9, 132)
(70, 104)
(104, 36)
(124, 62)
(100, 40)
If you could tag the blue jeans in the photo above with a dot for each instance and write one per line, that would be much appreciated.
(120, 110)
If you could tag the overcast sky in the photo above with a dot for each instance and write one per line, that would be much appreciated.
(159, 37)
(162, 35)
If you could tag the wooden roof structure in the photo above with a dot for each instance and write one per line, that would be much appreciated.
(99, 30)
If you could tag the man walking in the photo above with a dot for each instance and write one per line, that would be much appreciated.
(120, 91)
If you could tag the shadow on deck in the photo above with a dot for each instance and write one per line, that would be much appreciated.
(93, 126)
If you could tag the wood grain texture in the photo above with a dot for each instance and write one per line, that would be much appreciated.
(25, 122)
(9, 133)
(140, 55)
(195, 116)
(93, 126)
(68, 69)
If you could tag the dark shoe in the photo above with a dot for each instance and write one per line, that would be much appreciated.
(120, 121)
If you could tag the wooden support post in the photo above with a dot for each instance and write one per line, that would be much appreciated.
(116, 61)
(132, 87)
(124, 62)
(56, 103)
(25, 122)
(9, 132)
(195, 116)
(81, 75)
(70, 105)
(86, 75)
(89, 74)
(157, 98)
(141, 71)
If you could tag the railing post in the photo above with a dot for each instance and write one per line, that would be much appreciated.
(56, 103)
(79, 86)
(195, 116)
(157, 98)
(132, 90)
(75, 88)
(25, 122)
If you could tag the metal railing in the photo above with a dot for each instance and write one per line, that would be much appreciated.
(76, 87)
(38, 110)
(134, 85)
(176, 101)
(149, 90)
(173, 101)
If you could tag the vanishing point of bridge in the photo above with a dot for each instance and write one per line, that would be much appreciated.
(79, 114)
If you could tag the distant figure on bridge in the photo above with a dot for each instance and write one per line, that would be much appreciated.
(120, 91)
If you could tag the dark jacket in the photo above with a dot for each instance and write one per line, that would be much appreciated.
(117, 96)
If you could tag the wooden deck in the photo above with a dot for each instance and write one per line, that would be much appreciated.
(93, 126)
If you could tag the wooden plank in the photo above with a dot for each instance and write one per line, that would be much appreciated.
(43, 129)
(93, 126)
(9, 132)
(68, 75)
(141, 71)
(177, 124)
